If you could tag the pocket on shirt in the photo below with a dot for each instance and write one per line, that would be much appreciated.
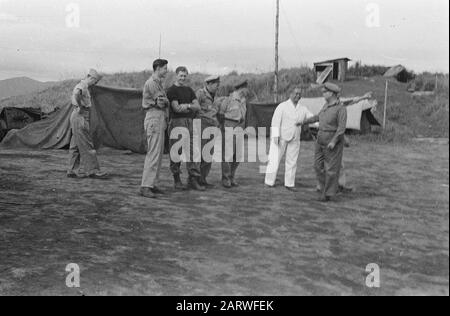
(235, 114)
(86, 124)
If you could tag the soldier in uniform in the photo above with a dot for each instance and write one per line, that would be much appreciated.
(329, 146)
(343, 187)
(156, 104)
(232, 114)
(330, 142)
(83, 156)
(208, 115)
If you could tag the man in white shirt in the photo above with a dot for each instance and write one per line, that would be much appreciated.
(285, 139)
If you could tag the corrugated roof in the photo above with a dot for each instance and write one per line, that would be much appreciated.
(332, 60)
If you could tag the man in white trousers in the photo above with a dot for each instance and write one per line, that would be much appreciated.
(285, 139)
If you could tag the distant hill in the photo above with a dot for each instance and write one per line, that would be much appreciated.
(21, 86)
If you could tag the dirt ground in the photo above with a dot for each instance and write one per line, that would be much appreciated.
(245, 241)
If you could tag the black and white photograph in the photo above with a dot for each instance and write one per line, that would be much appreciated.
(224, 154)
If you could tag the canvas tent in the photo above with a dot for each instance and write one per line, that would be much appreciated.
(17, 118)
(117, 121)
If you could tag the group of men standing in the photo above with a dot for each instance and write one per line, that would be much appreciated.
(178, 107)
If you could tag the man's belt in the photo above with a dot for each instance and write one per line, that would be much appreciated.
(153, 108)
(231, 120)
(327, 130)
(187, 117)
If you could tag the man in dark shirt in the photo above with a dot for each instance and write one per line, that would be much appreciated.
(183, 109)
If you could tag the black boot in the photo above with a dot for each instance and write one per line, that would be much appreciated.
(179, 186)
(202, 181)
(226, 184)
(234, 183)
(195, 185)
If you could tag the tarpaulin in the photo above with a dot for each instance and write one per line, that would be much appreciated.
(51, 133)
(17, 118)
(117, 118)
(117, 121)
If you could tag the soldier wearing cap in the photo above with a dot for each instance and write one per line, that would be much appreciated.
(208, 115)
(83, 156)
(330, 142)
(156, 104)
(232, 113)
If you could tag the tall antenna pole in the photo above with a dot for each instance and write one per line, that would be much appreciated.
(277, 27)
(160, 40)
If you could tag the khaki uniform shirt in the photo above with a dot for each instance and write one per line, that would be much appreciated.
(333, 120)
(234, 108)
(85, 95)
(209, 109)
(153, 89)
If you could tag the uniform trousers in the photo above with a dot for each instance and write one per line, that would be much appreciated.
(206, 164)
(83, 156)
(192, 162)
(230, 160)
(328, 163)
(155, 127)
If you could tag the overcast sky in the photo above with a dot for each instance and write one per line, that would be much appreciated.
(40, 38)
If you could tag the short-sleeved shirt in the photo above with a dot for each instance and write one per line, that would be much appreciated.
(153, 88)
(85, 95)
(234, 108)
(183, 95)
(333, 120)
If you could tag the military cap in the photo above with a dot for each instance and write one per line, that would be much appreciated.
(212, 79)
(241, 84)
(94, 74)
(332, 87)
